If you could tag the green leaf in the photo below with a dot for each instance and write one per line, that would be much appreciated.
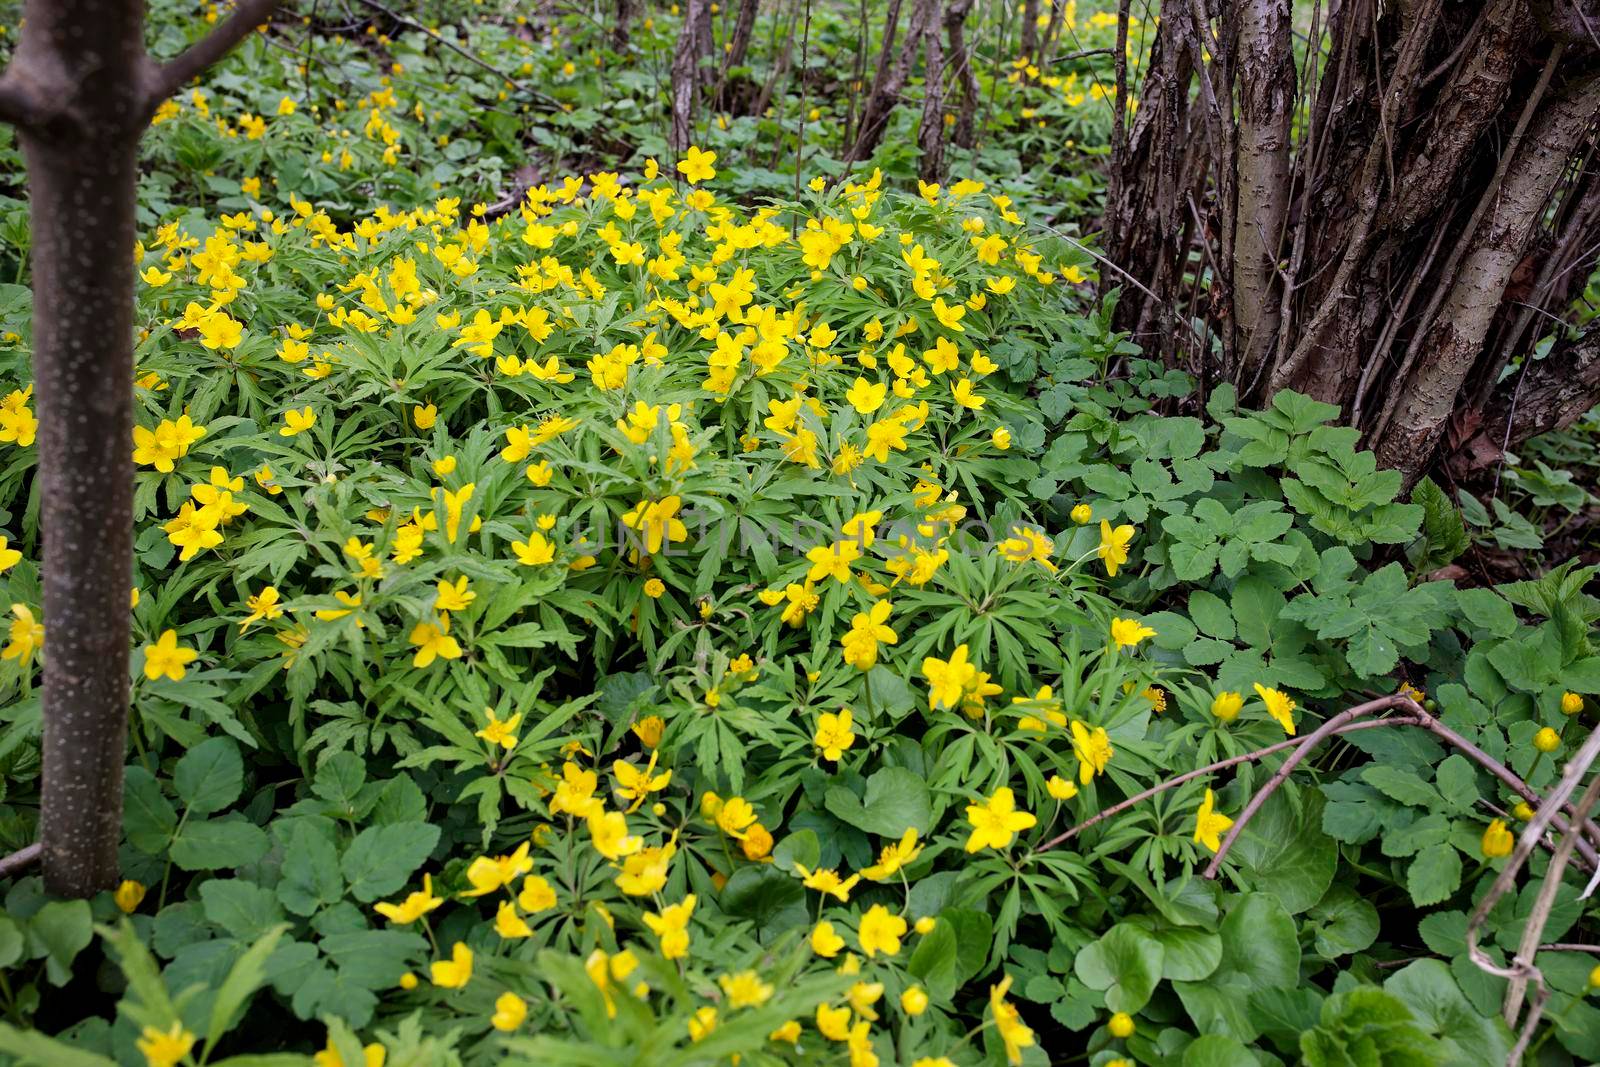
(245, 910)
(56, 934)
(373, 959)
(217, 844)
(1260, 945)
(771, 899)
(1125, 964)
(1401, 785)
(148, 817)
(1286, 851)
(934, 962)
(311, 877)
(1487, 609)
(1343, 923)
(244, 978)
(381, 858)
(209, 776)
(11, 941)
(33, 1049)
(1427, 988)
(1434, 875)
(1217, 1050)
(896, 800)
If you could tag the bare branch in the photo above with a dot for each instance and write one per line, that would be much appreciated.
(174, 74)
(20, 860)
(547, 101)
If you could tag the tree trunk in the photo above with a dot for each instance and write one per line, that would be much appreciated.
(930, 136)
(80, 90)
(955, 24)
(739, 47)
(1548, 394)
(1384, 232)
(685, 61)
(1453, 342)
(1266, 103)
(891, 80)
(622, 30)
(1030, 29)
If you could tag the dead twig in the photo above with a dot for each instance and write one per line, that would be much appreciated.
(20, 860)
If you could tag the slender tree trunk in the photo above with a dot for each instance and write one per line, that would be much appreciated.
(685, 61)
(1453, 342)
(930, 137)
(622, 30)
(739, 47)
(955, 24)
(1030, 29)
(80, 90)
(1266, 98)
(891, 81)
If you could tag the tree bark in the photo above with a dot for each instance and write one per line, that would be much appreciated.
(1548, 394)
(1454, 341)
(622, 29)
(739, 47)
(1266, 104)
(891, 80)
(685, 61)
(930, 137)
(1030, 29)
(80, 90)
(955, 25)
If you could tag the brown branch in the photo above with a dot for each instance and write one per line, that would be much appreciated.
(1416, 717)
(20, 860)
(175, 73)
(1189, 776)
(410, 23)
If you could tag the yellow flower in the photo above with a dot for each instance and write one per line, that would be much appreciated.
(649, 730)
(129, 895)
(167, 659)
(1013, 1031)
(914, 1001)
(608, 832)
(263, 605)
(894, 856)
(735, 816)
(828, 881)
(433, 641)
(508, 924)
(490, 873)
(634, 784)
(824, 941)
(372, 1055)
(27, 636)
(695, 166)
(745, 989)
(1127, 633)
(1093, 749)
(1082, 513)
(1226, 705)
(454, 972)
(1114, 546)
(536, 895)
(1497, 840)
(671, 927)
(1060, 788)
(1209, 824)
(1121, 1025)
(509, 1011)
(833, 734)
(413, 907)
(833, 1023)
(1279, 706)
(703, 1021)
(1026, 545)
(165, 1048)
(500, 732)
(1001, 438)
(996, 821)
(867, 397)
(295, 422)
(948, 680)
(655, 588)
(453, 596)
(1571, 703)
(1547, 740)
(881, 931)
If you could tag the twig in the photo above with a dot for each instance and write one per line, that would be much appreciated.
(1302, 750)
(20, 860)
(1569, 946)
(1210, 768)
(175, 73)
(1520, 968)
(548, 101)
